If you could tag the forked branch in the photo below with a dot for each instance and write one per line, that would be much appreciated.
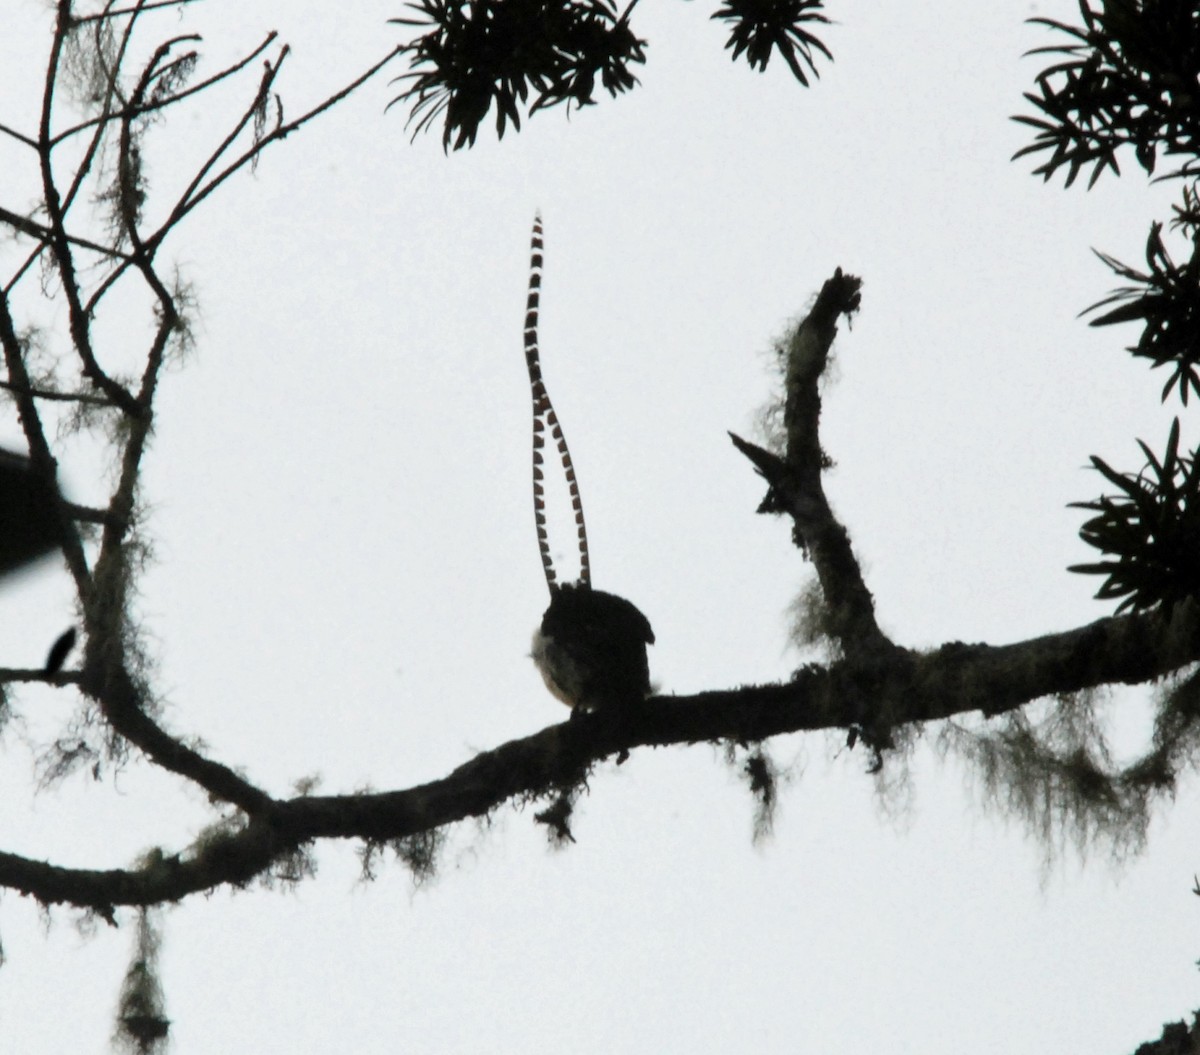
(794, 478)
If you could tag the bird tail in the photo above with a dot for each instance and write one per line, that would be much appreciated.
(545, 418)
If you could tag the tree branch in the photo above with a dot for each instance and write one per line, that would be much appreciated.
(57, 397)
(44, 235)
(795, 478)
(59, 244)
(42, 458)
(145, 107)
(193, 197)
(902, 686)
(139, 9)
(105, 679)
(198, 190)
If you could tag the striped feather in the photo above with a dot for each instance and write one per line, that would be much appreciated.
(543, 416)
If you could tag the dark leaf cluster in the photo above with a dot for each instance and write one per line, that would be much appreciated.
(1165, 299)
(1131, 76)
(480, 53)
(1149, 531)
(761, 27)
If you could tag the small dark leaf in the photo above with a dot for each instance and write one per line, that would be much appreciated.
(59, 651)
(1138, 309)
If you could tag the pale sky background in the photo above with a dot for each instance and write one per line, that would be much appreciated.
(346, 576)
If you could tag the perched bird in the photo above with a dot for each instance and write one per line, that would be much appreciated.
(591, 648)
(591, 645)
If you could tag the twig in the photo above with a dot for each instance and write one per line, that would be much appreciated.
(170, 100)
(59, 244)
(60, 397)
(117, 12)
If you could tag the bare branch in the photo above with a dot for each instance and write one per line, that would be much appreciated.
(189, 200)
(59, 243)
(58, 397)
(139, 9)
(86, 514)
(197, 190)
(20, 137)
(38, 674)
(150, 106)
(44, 236)
(85, 164)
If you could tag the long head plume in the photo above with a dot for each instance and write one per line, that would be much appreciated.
(543, 417)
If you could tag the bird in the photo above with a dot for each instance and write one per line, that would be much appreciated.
(591, 648)
(591, 645)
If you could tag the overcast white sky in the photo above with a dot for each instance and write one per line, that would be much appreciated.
(346, 575)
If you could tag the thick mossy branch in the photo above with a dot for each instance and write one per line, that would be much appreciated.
(125, 707)
(894, 688)
(1056, 771)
